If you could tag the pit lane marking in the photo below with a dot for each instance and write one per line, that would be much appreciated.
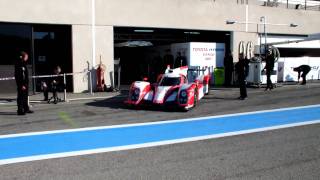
(64, 143)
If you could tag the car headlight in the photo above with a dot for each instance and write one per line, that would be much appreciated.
(183, 93)
(136, 91)
(135, 94)
(183, 98)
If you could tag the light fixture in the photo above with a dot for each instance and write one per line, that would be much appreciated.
(191, 32)
(134, 44)
(230, 22)
(144, 30)
(293, 25)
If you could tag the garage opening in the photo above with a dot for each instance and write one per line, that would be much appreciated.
(48, 46)
(145, 52)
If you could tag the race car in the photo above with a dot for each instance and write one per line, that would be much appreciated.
(171, 88)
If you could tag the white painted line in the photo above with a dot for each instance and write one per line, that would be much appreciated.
(88, 98)
(75, 99)
(36, 101)
(153, 144)
(151, 123)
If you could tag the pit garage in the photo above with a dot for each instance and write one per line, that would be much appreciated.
(145, 52)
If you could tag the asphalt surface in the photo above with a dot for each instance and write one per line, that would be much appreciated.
(291, 153)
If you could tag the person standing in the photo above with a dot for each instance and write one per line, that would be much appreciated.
(180, 60)
(269, 69)
(45, 89)
(22, 80)
(305, 69)
(241, 69)
(228, 65)
(168, 59)
(56, 83)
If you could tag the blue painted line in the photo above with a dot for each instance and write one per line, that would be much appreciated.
(60, 142)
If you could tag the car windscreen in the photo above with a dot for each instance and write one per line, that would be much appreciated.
(170, 81)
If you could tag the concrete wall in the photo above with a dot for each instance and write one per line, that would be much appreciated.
(186, 14)
(82, 56)
(207, 15)
(202, 14)
(181, 14)
(104, 51)
(307, 21)
(46, 11)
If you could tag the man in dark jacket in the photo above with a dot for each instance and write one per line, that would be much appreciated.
(22, 79)
(242, 71)
(180, 61)
(228, 68)
(168, 59)
(305, 69)
(270, 60)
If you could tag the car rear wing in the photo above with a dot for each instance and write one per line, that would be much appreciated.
(199, 73)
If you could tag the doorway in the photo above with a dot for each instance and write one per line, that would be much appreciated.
(52, 48)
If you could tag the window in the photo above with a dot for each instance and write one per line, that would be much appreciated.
(170, 81)
(13, 39)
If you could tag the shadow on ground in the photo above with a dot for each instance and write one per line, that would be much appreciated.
(117, 102)
(221, 98)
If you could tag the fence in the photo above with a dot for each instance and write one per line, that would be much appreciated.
(49, 78)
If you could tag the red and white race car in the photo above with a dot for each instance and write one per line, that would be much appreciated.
(172, 88)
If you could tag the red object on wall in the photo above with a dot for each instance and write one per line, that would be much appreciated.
(100, 78)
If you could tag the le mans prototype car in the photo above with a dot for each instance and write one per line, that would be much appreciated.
(172, 88)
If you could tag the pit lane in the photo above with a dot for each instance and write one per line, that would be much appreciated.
(278, 154)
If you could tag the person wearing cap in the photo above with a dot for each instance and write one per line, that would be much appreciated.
(22, 80)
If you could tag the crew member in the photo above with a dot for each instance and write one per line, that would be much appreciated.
(180, 61)
(228, 65)
(241, 69)
(168, 59)
(56, 85)
(22, 79)
(269, 68)
(305, 69)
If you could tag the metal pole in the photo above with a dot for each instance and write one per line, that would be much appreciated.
(90, 79)
(260, 39)
(65, 87)
(247, 17)
(119, 72)
(265, 37)
(93, 31)
(263, 18)
(305, 4)
(33, 61)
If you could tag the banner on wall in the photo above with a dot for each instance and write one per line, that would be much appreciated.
(200, 53)
(286, 72)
